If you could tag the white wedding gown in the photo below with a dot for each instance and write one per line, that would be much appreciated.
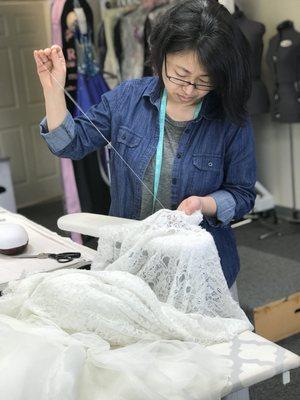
(133, 328)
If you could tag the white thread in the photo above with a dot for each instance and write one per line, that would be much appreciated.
(116, 151)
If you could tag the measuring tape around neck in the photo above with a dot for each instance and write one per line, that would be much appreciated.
(160, 146)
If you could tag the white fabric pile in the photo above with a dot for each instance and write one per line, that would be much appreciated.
(156, 291)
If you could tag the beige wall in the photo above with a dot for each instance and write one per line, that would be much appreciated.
(272, 139)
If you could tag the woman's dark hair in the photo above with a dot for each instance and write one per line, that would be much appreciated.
(208, 28)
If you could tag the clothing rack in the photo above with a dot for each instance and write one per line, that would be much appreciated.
(108, 4)
(150, 4)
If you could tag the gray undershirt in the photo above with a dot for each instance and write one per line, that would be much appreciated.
(172, 134)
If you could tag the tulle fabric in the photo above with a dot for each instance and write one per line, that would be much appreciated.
(39, 361)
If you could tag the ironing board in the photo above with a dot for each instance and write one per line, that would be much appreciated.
(254, 359)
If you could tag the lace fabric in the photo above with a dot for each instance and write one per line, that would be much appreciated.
(156, 291)
(179, 261)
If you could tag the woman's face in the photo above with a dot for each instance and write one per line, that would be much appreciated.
(184, 66)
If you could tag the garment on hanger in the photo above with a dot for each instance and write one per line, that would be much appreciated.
(101, 44)
(283, 58)
(68, 19)
(71, 199)
(93, 192)
(133, 43)
(122, 41)
(150, 21)
(57, 7)
(110, 18)
(254, 31)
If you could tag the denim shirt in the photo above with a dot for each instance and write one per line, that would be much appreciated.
(215, 157)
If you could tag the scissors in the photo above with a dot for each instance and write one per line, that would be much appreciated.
(60, 257)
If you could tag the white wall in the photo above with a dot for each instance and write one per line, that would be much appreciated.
(272, 139)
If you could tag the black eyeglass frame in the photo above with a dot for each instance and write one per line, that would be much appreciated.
(182, 82)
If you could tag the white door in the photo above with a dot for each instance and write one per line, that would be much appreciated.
(35, 171)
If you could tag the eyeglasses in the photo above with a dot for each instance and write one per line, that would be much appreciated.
(181, 82)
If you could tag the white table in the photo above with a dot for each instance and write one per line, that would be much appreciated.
(41, 240)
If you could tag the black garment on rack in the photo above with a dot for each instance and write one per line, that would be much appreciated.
(283, 58)
(254, 31)
(102, 48)
(69, 48)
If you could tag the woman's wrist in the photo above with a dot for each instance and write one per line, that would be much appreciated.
(208, 206)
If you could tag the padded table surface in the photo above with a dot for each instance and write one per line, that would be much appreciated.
(254, 359)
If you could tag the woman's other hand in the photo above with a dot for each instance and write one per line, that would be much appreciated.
(190, 205)
(206, 205)
(51, 68)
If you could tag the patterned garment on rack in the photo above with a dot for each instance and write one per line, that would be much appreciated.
(133, 44)
(149, 23)
(111, 65)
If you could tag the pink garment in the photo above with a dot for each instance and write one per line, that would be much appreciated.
(56, 12)
(71, 197)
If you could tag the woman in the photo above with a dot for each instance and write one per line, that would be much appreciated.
(184, 134)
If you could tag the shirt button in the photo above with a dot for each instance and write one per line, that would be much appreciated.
(210, 164)
(179, 155)
(174, 181)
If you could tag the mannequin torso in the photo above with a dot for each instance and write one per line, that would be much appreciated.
(254, 31)
(283, 58)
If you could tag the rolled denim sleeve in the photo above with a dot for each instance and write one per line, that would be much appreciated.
(76, 137)
(59, 138)
(225, 208)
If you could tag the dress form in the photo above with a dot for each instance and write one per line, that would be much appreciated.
(254, 31)
(283, 58)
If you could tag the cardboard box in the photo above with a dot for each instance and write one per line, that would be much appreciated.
(279, 319)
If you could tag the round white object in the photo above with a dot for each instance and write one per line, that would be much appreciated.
(12, 236)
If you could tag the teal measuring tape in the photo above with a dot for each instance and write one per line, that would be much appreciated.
(160, 146)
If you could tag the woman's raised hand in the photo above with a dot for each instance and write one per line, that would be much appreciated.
(51, 68)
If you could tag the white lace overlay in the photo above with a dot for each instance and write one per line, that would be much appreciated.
(71, 317)
(179, 261)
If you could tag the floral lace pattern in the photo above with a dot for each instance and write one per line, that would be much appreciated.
(179, 261)
(158, 279)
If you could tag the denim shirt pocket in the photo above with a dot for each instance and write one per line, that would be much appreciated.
(207, 173)
(127, 144)
(127, 137)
